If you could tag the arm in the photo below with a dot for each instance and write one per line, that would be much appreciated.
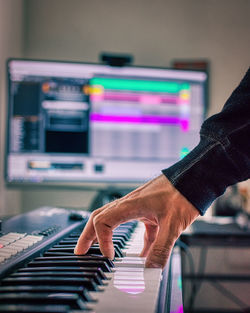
(222, 157)
(171, 202)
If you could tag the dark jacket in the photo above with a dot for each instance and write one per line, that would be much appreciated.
(222, 158)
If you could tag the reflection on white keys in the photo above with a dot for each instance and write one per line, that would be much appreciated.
(132, 288)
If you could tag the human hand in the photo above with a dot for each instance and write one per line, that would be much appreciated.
(158, 204)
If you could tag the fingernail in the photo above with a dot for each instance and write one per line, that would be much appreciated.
(77, 252)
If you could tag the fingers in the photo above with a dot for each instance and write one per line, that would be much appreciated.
(150, 234)
(87, 237)
(104, 223)
(101, 224)
(161, 248)
(104, 234)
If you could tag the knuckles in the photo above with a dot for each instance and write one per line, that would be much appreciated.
(99, 221)
(159, 254)
(95, 213)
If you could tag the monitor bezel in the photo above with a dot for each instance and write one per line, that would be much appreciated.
(84, 184)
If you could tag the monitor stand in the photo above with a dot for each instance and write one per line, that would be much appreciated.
(107, 195)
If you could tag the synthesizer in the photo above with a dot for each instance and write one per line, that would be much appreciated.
(39, 272)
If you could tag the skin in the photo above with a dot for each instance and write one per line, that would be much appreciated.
(165, 212)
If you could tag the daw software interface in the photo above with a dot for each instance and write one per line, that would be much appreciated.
(76, 122)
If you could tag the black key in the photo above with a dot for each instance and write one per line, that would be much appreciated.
(120, 243)
(78, 258)
(121, 234)
(23, 308)
(50, 280)
(78, 231)
(96, 270)
(116, 242)
(74, 235)
(118, 251)
(72, 300)
(81, 291)
(92, 250)
(121, 239)
(57, 254)
(93, 276)
(77, 263)
(67, 242)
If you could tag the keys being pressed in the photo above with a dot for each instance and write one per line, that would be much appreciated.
(54, 273)
(119, 242)
(131, 283)
(92, 250)
(120, 236)
(116, 236)
(120, 233)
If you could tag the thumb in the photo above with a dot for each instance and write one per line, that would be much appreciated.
(161, 248)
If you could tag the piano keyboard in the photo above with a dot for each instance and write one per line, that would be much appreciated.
(47, 276)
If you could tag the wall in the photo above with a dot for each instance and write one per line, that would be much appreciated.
(155, 32)
(11, 44)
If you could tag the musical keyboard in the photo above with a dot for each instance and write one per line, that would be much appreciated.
(40, 273)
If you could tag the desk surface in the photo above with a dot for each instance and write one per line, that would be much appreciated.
(216, 232)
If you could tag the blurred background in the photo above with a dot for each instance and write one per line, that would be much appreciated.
(156, 33)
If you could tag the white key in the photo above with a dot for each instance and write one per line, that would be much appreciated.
(132, 287)
(128, 295)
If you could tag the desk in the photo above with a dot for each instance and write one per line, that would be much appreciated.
(215, 233)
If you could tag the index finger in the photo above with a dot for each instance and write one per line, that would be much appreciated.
(86, 238)
(110, 218)
(88, 235)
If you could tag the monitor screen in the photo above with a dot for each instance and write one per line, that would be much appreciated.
(79, 122)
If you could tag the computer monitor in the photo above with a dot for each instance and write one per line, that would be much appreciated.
(95, 123)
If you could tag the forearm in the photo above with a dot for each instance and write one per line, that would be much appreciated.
(222, 156)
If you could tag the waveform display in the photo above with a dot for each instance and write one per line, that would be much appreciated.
(141, 98)
(117, 91)
(143, 119)
(139, 85)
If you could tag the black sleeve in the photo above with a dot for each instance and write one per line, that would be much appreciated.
(222, 158)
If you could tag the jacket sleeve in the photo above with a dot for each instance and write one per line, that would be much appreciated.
(222, 157)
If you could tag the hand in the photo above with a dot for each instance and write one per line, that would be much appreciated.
(158, 204)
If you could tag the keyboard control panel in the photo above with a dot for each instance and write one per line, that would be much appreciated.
(13, 243)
